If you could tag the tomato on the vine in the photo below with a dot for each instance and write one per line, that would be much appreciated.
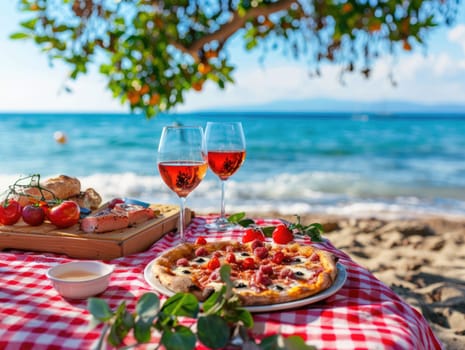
(282, 234)
(33, 215)
(10, 212)
(65, 214)
(45, 207)
(252, 234)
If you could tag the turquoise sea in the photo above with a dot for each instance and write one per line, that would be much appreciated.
(357, 164)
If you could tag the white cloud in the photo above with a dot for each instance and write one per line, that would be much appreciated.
(436, 78)
(457, 35)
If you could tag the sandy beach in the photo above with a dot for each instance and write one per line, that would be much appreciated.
(422, 259)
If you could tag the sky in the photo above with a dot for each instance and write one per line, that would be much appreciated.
(29, 84)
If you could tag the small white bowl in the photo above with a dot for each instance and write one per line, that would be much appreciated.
(80, 279)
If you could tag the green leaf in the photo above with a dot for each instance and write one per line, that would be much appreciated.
(268, 230)
(295, 342)
(278, 342)
(181, 338)
(270, 343)
(121, 326)
(181, 304)
(235, 218)
(246, 222)
(30, 24)
(245, 316)
(215, 301)
(99, 309)
(147, 309)
(225, 273)
(142, 330)
(16, 36)
(213, 331)
(61, 28)
(148, 306)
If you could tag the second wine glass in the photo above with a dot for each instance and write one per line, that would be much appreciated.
(225, 142)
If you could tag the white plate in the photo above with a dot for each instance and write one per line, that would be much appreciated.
(338, 283)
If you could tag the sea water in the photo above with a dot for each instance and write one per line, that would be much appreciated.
(337, 163)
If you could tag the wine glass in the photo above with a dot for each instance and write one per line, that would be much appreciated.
(225, 142)
(182, 163)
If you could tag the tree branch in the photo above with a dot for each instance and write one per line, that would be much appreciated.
(232, 26)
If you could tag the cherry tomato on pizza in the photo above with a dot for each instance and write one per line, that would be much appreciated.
(10, 212)
(65, 214)
(201, 240)
(33, 215)
(252, 234)
(278, 257)
(214, 263)
(230, 258)
(282, 234)
(248, 264)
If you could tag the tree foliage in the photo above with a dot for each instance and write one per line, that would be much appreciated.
(153, 51)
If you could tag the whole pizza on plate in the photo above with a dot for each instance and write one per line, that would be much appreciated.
(262, 273)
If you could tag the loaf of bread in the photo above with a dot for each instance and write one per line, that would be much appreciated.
(63, 187)
(89, 199)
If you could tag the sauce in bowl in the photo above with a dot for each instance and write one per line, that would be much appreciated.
(77, 275)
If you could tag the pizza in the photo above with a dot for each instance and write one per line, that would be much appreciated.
(262, 273)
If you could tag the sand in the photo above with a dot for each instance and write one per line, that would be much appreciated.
(422, 259)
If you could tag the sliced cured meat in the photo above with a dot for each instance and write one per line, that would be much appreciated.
(136, 213)
(104, 221)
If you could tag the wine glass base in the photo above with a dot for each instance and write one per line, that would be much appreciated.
(220, 224)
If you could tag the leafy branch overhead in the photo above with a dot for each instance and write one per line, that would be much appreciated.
(153, 52)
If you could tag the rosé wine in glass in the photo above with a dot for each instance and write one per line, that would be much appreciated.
(225, 143)
(182, 163)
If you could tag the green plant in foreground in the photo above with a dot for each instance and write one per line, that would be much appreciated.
(222, 323)
(314, 231)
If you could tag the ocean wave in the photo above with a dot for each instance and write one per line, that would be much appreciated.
(318, 192)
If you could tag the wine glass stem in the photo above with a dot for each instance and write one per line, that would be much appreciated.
(181, 219)
(223, 211)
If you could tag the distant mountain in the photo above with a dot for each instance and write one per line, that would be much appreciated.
(329, 105)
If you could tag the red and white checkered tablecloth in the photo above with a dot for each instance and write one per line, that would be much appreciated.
(363, 314)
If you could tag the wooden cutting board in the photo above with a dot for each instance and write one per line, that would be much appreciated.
(104, 246)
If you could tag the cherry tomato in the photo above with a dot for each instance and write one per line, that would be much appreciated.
(278, 257)
(214, 263)
(201, 240)
(65, 214)
(282, 234)
(10, 212)
(115, 201)
(252, 234)
(230, 257)
(248, 264)
(33, 215)
(45, 207)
